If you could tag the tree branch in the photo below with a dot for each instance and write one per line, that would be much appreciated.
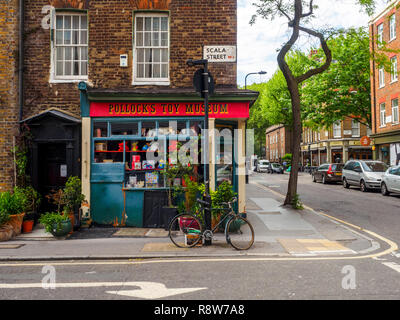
(327, 52)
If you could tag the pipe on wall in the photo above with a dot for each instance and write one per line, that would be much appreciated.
(21, 59)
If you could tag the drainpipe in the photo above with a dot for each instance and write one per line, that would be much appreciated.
(21, 59)
(375, 152)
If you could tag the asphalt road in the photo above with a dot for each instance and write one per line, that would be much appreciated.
(369, 210)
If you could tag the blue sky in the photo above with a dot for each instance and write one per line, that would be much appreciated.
(258, 44)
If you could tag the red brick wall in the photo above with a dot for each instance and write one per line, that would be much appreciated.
(193, 24)
(9, 108)
(390, 90)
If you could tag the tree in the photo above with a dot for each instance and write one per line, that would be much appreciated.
(344, 89)
(298, 13)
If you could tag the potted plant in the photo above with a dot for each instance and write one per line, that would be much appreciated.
(6, 230)
(56, 224)
(27, 223)
(71, 197)
(224, 193)
(171, 173)
(13, 204)
(31, 203)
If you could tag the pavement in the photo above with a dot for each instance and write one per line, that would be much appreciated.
(279, 232)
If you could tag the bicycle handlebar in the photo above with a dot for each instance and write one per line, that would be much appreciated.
(223, 203)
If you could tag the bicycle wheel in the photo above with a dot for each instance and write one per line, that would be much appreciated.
(185, 230)
(239, 233)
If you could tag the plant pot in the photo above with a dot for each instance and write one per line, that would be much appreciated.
(71, 217)
(6, 232)
(65, 229)
(167, 214)
(27, 226)
(16, 222)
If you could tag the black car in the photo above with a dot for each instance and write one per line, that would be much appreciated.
(328, 172)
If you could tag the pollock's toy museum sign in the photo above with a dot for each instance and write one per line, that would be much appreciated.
(179, 109)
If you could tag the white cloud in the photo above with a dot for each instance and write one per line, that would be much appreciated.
(258, 44)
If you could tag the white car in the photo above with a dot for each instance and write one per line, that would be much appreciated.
(391, 181)
(262, 166)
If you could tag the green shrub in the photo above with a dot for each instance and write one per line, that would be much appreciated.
(49, 219)
(12, 203)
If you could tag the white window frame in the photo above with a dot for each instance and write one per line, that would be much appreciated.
(381, 77)
(393, 69)
(355, 128)
(54, 78)
(382, 114)
(337, 127)
(380, 34)
(392, 27)
(150, 81)
(395, 111)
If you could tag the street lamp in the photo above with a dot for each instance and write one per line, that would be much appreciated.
(245, 79)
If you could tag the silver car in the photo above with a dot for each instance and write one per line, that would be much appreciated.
(364, 174)
(391, 181)
(262, 166)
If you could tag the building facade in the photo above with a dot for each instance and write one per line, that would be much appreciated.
(104, 81)
(277, 142)
(385, 89)
(343, 141)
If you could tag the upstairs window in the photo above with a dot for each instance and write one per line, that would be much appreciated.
(70, 46)
(380, 34)
(392, 27)
(355, 128)
(395, 111)
(393, 69)
(382, 114)
(151, 45)
(381, 77)
(337, 129)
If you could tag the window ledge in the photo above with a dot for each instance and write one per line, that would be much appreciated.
(380, 87)
(394, 81)
(151, 83)
(67, 80)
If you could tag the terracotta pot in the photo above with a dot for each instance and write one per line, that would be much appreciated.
(71, 217)
(6, 232)
(16, 222)
(27, 226)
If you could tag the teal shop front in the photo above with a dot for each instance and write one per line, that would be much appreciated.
(129, 136)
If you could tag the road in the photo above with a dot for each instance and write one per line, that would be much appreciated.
(369, 210)
(232, 280)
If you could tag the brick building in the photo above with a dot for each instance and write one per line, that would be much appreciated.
(277, 142)
(385, 89)
(129, 59)
(339, 143)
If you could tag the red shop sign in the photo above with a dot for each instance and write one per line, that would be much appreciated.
(179, 109)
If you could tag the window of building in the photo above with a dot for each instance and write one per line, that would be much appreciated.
(355, 128)
(382, 108)
(392, 27)
(395, 111)
(70, 46)
(393, 69)
(380, 34)
(337, 129)
(151, 49)
(381, 77)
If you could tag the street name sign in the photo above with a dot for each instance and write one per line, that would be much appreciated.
(220, 53)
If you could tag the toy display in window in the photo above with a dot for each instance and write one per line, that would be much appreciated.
(146, 146)
(121, 146)
(135, 146)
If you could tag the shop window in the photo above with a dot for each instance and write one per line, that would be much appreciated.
(148, 129)
(125, 128)
(173, 127)
(109, 151)
(70, 47)
(100, 129)
(151, 45)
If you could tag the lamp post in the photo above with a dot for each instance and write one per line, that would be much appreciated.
(205, 87)
(245, 79)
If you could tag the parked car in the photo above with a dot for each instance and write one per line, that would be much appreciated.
(262, 166)
(391, 181)
(364, 174)
(328, 172)
(275, 168)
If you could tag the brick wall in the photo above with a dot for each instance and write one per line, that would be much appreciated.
(8, 88)
(391, 90)
(193, 24)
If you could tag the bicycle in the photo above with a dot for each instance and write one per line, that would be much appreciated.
(186, 230)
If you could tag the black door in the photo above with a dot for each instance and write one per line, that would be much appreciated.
(53, 171)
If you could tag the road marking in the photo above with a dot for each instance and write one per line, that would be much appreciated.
(148, 290)
(392, 265)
